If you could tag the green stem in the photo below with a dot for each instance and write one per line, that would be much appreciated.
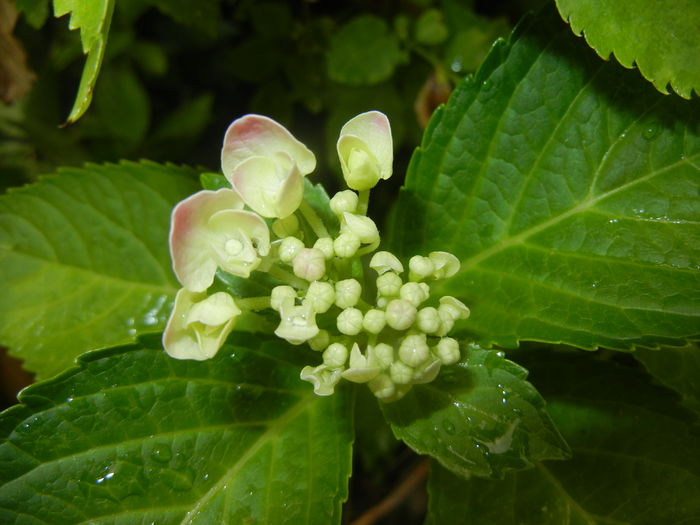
(253, 303)
(287, 277)
(313, 220)
(363, 202)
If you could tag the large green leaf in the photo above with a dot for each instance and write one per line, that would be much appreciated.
(84, 260)
(636, 457)
(93, 19)
(480, 417)
(133, 436)
(568, 187)
(659, 36)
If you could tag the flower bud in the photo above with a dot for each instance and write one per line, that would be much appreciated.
(346, 244)
(285, 227)
(360, 370)
(282, 294)
(428, 320)
(414, 350)
(389, 284)
(309, 264)
(446, 264)
(381, 355)
(382, 387)
(344, 202)
(414, 293)
(347, 293)
(289, 248)
(374, 321)
(335, 356)
(400, 314)
(447, 322)
(447, 350)
(420, 268)
(401, 373)
(320, 295)
(364, 227)
(320, 341)
(349, 321)
(454, 308)
(323, 379)
(325, 245)
(383, 262)
(365, 150)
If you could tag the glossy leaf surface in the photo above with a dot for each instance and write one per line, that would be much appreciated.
(85, 262)
(568, 188)
(134, 436)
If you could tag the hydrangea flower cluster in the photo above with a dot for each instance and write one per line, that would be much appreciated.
(372, 322)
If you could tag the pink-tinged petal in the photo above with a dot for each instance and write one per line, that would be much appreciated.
(273, 187)
(365, 147)
(193, 263)
(259, 136)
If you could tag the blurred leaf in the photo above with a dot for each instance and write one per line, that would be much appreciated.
(133, 436)
(256, 59)
(636, 457)
(363, 51)
(35, 11)
(202, 15)
(187, 121)
(271, 19)
(469, 46)
(660, 37)
(93, 20)
(480, 417)
(567, 186)
(85, 262)
(431, 28)
(150, 57)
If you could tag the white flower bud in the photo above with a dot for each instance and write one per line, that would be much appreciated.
(414, 293)
(320, 341)
(362, 226)
(320, 295)
(282, 294)
(414, 350)
(374, 321)
(323, 379)
(446, 264)
(285, 227)
(349, 321)
(335, 356)
(400, 314)
(401, 373)
(344, 202)
(360, 370)
(289, 248)
(427, 372)
(381, 355)
(382, 387)
(309, 264)
(428, 320)
(389, 284)
(420, 268)
(347, 293)
(447, 322)
(383, 262)
(325, 245)
(346, 244)
(454, 307)
(447, 350)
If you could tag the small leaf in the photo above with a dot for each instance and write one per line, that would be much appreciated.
(480, 417)
(636, 457)
(567, 186)
(363, 52)
(658, 36)
(85, 262)
(93, 20)
(133, 436)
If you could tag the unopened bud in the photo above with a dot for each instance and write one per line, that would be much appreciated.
(446, 264)
(454, 307)
(360, 370)
(289, 248)
(285, 227)
(389, 284)
(349, 321)
(382, 386)
(282, 294)
(420, 268)
(414, 293)
(428, 320)
(321, 296)
(320, 341)
(448, 350)
(335, 356)
(381, 355)
(374, 321)
(347, 293)
(309, 264)
(346, 244)
(325, 245)
(400, 314)
(447, 322)
(383, 262)
(344, 202)
(414, 350)
(401, 373)
(362, 226)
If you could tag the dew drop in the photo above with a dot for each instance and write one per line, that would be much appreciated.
(651, 130)
(487, 85)
(448, 427)
(161, 453)
(500, 354)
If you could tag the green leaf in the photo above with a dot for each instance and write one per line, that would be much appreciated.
(676, 368)
(93, 20)
(85, 262)
(35, 11)
(202, 15)
(133, 436)
(480, 417)
(363, 51)
(636, 458)
(567, 186)
(660, 37)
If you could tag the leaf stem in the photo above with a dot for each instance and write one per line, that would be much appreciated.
(253, 303)
(287, 277)
(313, 220)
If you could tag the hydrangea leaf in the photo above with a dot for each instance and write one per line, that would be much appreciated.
(93, 19)
(658, 36)
(133, 436)
(567, 186)
(363, 51)
(480, 417)
(85, 262)
(636, 456)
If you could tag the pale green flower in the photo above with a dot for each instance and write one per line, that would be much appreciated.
(365, 150)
